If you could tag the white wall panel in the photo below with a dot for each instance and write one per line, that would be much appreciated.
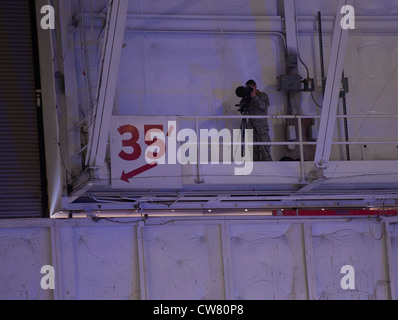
(267, 261)
(357, 244)
(99, 262)
(23, 252)
(189, 258)
(185, 262)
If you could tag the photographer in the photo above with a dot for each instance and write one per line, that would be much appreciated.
(257, 104)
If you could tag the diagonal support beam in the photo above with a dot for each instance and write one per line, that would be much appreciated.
(109, 69)
(332, 90)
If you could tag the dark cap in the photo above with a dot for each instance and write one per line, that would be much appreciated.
(251, 83)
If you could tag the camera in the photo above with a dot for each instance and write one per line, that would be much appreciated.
(244, 93)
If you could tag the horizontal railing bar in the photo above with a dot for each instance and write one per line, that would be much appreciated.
(247, 117)
(285, 143)
(381, 116)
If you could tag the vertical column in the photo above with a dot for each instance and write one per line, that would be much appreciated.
(227, 261)
(332, 90)
(142, 254)
(309, 261)
(391, 271)
(292, 50)
(54, 167)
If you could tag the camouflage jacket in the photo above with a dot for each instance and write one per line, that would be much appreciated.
(259, 104)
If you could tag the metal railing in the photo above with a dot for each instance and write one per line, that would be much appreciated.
(299, 141)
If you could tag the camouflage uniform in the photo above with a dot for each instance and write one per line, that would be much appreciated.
(259, 106)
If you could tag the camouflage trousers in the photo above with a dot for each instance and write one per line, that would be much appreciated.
(260, 134)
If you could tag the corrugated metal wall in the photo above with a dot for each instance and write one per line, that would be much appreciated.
(200, 258)
(20, 172)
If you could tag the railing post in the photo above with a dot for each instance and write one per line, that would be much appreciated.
(198, 179)
(302, 166)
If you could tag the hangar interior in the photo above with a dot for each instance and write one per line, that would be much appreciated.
(145, 64)
(206, 223)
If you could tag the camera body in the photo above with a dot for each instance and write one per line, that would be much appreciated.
(244, 93)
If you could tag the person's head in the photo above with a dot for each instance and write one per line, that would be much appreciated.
(252, 84)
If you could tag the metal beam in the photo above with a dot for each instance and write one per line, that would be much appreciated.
(54, 168)
(291, 26)
(311, 186)
(109, 69)
(293, 99)
(70, 141)
(332, 90)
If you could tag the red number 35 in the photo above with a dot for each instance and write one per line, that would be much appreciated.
(133, 141)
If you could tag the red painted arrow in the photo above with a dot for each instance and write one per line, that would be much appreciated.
(127, 176)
